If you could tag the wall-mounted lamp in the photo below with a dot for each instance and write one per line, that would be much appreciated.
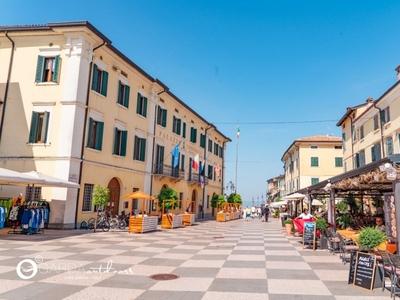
(328, 187)
(115, 68)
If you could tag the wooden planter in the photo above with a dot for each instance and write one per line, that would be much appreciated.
(221, 217)
(169, 221)
(142, 224)
(188, 219)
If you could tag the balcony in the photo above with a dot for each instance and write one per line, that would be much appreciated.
(161, 171)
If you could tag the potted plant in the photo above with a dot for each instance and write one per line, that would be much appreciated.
(289, 226)
(370, 237)
(345, 221)
(321, 224)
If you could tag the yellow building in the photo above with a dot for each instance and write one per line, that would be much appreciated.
(75, 107)
(310, 160)
(371, 131)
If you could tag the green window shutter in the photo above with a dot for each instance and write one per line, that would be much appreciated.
(314, 181)
(56, 68)
(45, 126)
(123, 142)
(142, 149)
(89, 132)
(95, 77)
(183, 162)
(126, 100)
(382, 114)
(179, 126)
(145, 107)
(164, 118)
(34, 124)
(314, 161)
(119, 93)
(139, 97)
(184, 130)
(135, 140)
(338, 162)
(115, 140)
(39, 69)
(99, 136)
(344, 140)
(104, 84)
(195, 135)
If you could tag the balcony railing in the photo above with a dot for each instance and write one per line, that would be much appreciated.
(168, 171)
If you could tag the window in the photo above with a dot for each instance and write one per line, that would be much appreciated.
(216, 148)
(47, 69)
(176, 125)
(385, 116)
(120, 137)
(354, 132)
(297, 163)
(338, 162)
(314, 147)
(161, 116)
(376, 152)
(95, 134)
(362, 158)
(184, 130)
(183, 162)
(141, 105)
(123, 94)
(99, 80)
(314, 181)
(221, 151)
(344, 140)
(209, 145)
(87, 197)
(135, 201)
(314, 161)
(210, 172)
(345, 166)
(389, 146)
(338, 147)
(159, 160)
(39, 127)
(208, 201)
(33, 193)
(202, 140)
(193, 134)
(376, 122)
(139, 149)
(291, 167)
(361, 132)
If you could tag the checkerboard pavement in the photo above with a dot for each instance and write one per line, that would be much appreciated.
(241, 259)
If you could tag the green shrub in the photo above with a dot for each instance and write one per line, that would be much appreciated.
(321, 224)
(289, 221)
(370, 237)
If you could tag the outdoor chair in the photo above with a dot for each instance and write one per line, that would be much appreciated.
(333, 240)
(395, 262)
(346, 247)
(388, 268)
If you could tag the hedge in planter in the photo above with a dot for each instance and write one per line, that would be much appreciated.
(370, 237)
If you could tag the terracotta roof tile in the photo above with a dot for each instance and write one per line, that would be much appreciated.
(320, 138)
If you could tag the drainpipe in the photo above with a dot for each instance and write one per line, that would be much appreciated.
(380, 122)
(204, 169)
(352, 141)
(7, 84)
(154, 142)
(84, 130)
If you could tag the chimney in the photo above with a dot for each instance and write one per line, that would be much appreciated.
(370, 101)
(398, 72)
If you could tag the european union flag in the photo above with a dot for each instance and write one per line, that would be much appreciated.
(175, 154)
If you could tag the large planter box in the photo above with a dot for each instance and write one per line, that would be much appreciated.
(142, 224)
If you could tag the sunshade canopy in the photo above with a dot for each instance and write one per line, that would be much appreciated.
(295, 196)
(139, 195)
(48, 180)
(9, 177)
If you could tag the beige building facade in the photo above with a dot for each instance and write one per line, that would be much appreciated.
(74, 107)
(371, 131)
(310, 160)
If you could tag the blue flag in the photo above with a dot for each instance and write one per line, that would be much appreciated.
(175, 155)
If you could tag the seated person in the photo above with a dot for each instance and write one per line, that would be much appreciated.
(380, 224)
(305, 215)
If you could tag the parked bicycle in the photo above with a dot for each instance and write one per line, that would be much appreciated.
(119, 221)
(89, 224)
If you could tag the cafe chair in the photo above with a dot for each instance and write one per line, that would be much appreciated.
(333, 240)
(346, 247)
(388, 268)
(395, 262)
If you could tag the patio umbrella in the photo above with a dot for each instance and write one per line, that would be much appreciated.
(139, 195)
(9, 177)
(47, 180)
(295, 196)
(278, 204)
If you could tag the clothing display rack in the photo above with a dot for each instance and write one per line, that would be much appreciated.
(29, 218)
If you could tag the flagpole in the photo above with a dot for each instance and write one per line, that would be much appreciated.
(237, 151)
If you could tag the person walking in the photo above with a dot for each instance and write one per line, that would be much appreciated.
(266, 213)
(262, 213)
(253, 211)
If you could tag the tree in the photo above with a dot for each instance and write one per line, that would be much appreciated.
(235, 198)
(100, 198)
(170, 195)
(217, 199)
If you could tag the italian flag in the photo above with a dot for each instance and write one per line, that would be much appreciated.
(238, 132)
(195, 163)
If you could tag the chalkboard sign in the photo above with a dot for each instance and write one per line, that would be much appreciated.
(352, 267)
(364, 273)
(309, 234)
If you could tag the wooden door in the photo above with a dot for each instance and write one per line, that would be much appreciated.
(114, 188)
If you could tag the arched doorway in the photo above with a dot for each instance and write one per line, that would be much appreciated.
(194, 198)
(115, 190)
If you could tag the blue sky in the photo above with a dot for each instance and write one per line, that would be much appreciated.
(282, 69)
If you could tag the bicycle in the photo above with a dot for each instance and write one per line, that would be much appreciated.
(118, 222)
(101, 223)
(89, 224)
